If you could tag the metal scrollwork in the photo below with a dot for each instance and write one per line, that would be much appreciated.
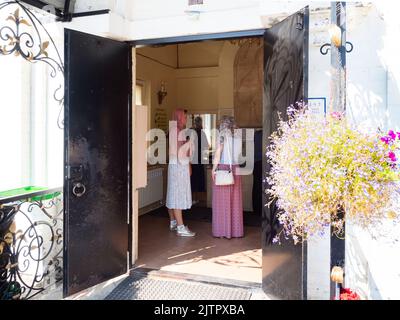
(30, 247)
(327, 46)
(25, 36)
(348, 50)
(325, 49)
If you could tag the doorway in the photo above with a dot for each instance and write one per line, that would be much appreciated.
(208, 79)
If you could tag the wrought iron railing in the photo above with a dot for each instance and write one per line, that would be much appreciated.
(31, 244)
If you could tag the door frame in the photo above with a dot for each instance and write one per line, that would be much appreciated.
(199, 37)
(226, 36)
(134, 213)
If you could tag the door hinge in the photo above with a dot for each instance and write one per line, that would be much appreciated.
(300, 21)
(128, 216)
(128, 261)
(68, 172)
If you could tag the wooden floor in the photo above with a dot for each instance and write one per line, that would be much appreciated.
(237, 259)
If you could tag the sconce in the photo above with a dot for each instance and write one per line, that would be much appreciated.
(335, 34)
(162, 93)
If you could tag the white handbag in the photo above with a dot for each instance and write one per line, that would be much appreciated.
(225, 177)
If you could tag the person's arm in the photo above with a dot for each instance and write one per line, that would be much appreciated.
(217, 159)
(191, 149)
(172, 144)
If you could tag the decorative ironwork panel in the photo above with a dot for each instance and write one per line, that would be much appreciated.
(31, 246)
(22, 34)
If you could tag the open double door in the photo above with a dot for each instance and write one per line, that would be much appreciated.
(97, 186)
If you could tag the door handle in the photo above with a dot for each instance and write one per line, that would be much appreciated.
(78, 189)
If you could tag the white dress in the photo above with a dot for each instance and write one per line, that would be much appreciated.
(179, 193)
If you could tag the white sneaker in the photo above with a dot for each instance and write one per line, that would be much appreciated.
(173, 225)
(183, 231)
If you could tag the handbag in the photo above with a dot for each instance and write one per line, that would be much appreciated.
(225, 177)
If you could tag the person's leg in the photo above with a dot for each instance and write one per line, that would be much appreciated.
(181, 229)
(178, 216)
(172, 221)
(171, 214)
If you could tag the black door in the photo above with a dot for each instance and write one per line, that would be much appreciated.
(285, 82)
(97, 134)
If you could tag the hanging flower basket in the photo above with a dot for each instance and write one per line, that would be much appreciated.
(324, 171)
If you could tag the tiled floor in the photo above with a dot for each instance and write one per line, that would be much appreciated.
(236, 259)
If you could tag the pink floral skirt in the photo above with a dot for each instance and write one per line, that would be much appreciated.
(227, 208)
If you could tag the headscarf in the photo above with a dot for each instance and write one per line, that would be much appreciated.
(227, 126)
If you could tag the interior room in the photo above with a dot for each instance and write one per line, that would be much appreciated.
(209, 79)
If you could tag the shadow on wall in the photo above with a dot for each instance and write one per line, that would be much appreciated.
(373, 90)
(373, 102)
(359, 276)
(367, 108)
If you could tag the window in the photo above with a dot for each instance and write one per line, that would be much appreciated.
(30, 139)
(14, 138)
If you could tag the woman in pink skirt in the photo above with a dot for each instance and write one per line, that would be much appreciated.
(227, 205)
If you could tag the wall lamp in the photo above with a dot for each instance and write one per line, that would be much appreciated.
(162, 93)
(335, 34)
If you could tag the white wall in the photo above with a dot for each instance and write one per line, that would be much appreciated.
(373, 259)
(139, 19)
(153, 73)
(215, 16)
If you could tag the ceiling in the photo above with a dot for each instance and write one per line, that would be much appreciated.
(188, 55)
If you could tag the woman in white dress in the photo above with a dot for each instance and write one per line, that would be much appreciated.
(179, 195)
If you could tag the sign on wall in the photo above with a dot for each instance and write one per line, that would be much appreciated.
(317, 105)
(160, 119)
(195, 2)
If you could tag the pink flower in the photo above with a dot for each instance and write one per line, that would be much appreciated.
(398, 135)
(392, 156)
(392, 135)
(348, 294)
(336, 115)
(385, 140)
